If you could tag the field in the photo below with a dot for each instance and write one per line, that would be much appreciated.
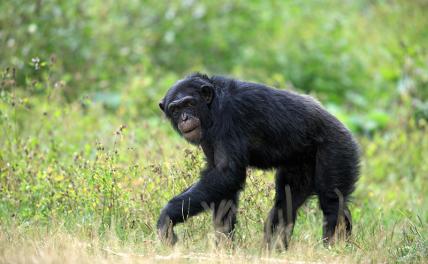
(87, 160)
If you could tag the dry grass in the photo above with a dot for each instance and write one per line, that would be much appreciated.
(33, 245)
(61, 247)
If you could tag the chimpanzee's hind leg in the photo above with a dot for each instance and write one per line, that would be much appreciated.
(336, 172)
(337, 217)
(293, 186)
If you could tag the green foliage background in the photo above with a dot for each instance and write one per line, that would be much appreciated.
(84, 145)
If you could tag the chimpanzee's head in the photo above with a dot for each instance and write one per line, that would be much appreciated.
(187, 105)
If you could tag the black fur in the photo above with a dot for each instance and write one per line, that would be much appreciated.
(248, 124)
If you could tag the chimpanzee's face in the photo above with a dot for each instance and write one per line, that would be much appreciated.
(186, 105)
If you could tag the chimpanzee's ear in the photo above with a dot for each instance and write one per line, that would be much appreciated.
(207, 92)
(162, 105)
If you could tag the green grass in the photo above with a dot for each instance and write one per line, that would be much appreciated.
(78, 183)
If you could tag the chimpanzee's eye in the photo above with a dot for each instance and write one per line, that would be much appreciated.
(191, 103)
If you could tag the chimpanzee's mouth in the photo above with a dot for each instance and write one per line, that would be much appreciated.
(191, 129)
(193, 135)
(189, 125)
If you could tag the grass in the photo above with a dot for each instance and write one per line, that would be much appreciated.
(81, 184)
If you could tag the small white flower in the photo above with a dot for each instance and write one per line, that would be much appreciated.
(36, 62)
(32, 28)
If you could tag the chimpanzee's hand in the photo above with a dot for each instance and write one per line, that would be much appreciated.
(165, 230)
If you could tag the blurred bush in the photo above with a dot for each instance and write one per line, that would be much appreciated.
(360, 57)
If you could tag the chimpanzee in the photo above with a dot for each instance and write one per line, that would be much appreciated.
(242, 124)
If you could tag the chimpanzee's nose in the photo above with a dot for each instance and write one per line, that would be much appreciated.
(184, 117)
